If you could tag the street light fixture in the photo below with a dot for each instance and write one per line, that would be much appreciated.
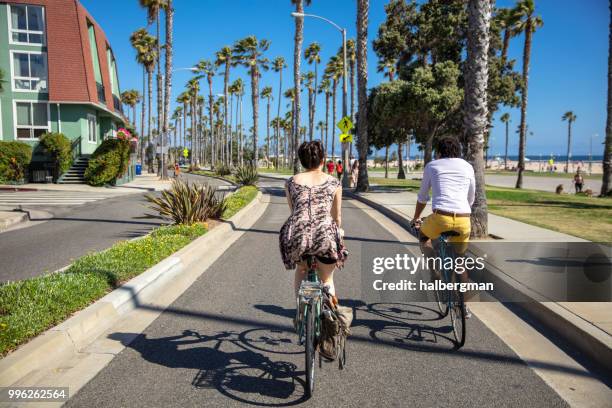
(345, 151)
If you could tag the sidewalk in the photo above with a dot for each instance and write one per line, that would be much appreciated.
(10, 218)
(586, 325)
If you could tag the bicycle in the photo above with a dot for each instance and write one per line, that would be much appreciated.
(450, 302)
(308, 324)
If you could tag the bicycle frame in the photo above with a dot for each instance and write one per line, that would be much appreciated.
(310, 293)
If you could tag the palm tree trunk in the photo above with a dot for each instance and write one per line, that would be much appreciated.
(168, 84)
(230, 159)
(185, 126)
(149, 100)
(352, 84)
(159, 93)
(333, 119)
(475, 107)
(255, 101)
(314, 99)
(142, 119)
(268, 134)
(310, 114)
(400, 161)
(505, 45)
(569, 145)
(326, 123)
(363, 7)
(506, 152)
(297, 58)
(606, 181)
(210, 122)
(386, 161)
(523, 125)
(241, 136)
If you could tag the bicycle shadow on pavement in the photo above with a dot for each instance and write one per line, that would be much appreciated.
(227, 361)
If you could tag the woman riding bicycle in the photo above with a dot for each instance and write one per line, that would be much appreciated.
(313, 228)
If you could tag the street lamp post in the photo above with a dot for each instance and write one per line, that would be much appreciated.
(345, 150)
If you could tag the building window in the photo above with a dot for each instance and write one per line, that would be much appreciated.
(91, 128)
(29, 71)
(96, 62)
(27, 24)
(32, 119)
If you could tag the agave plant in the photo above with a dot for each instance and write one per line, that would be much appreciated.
(186, 203)
(246, 175)
(222, 170)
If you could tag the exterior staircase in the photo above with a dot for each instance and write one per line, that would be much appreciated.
(75, 173)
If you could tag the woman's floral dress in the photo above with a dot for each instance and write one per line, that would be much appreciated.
(310, 229)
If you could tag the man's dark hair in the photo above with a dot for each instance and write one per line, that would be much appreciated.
(311, 154)
(448, 147)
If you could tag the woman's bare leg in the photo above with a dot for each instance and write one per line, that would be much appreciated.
(326, 274)
(300, 275)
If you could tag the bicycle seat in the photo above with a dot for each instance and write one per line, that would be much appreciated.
(450, 233)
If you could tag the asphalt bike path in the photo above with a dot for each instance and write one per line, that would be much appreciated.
(228, 341)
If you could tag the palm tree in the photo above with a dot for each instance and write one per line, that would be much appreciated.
(266, 93)
(176, 116)
(168, 81)
(249, 53)
(507, 19)
(291, 141)
(144, 45)
(238, 87)
(362, 96)
(224, 59)
(146, 48)
(207, 68)
(308, 78)
(505, 118)
(153, 9)
(131, 98)
(324, 87)
(475, 106)
(570, 118)
(527, 22)
(321, 129)
(278, 65)
(351, 57)
(312, 55)
(193, 87)
(606, 180)
(333, 72)
(297, 59)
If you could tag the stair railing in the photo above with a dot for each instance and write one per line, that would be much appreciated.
(75, 148)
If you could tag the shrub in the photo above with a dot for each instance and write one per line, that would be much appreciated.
(246, 175)
(222, 170)
(186, 203)
(14, 159)
(108, 162)
(60, 148)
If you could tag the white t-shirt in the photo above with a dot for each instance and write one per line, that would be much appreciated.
(452, 184)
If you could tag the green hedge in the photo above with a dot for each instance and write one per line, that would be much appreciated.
(108, 163)
(60, 148)
(14, 159)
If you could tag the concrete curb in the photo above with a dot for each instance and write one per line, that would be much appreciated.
(16, 219)
(216, 177)
(172, 275)
(580, 334)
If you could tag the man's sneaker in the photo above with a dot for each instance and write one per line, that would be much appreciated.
(468, 312)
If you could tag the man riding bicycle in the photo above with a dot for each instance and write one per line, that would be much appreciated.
(452, 183)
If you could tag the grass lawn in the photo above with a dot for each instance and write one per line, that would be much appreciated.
(276, 171)
(569, 176)
(584, 217)
(209, 173)
(31, 306)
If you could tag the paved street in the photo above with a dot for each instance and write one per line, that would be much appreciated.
(75, 228)
(228, 341)
(51, 198)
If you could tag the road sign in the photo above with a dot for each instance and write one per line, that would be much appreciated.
(346, 138)
(185, 152)
(345, 124)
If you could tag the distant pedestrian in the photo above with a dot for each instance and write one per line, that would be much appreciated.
(339, 169)
(330, 167)
(355, 172)
(578, 181)
(177, 170)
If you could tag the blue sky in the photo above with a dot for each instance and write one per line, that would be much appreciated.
(568, 63)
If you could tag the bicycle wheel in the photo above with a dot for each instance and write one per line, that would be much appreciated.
(442, 297)
(310, 349)
(457, 314)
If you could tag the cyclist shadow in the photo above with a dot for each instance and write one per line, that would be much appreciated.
(243, 374)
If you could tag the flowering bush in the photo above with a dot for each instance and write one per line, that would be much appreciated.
(124, 134)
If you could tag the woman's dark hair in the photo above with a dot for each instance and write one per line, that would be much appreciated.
(448, 147)
(311, 154)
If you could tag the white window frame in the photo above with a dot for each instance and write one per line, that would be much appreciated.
(15, 125)
(13, 77)
(26, 31)
(95, 130)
